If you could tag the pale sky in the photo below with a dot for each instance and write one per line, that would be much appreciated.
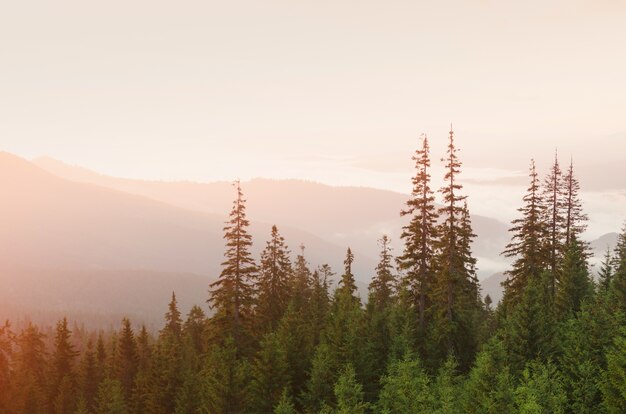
(332, 91)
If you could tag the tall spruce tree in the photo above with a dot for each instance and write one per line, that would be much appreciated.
(454, 296)
(62, 375)
(575, 284)
(554, 219)
(382, 285)
(419, 234)
(574, 217)
(126, 362)
(232, 294)
(273, 284)
(526, 246)
(605, 273)
(618, 281)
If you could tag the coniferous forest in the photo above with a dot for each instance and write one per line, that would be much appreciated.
(279, 335)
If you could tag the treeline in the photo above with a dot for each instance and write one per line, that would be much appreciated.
(280, 340)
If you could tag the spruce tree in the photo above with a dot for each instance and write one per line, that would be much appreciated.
(111, 398)
(273, 284)
(269, 376)
(126, 359)
(529, 331)
(89, 377)
(285, 405)
(605, 273)
(173, 321)
(232, 294)
(225, 376)
(614, 384)
(541, 389)
(29, 382)
(6, 353)
(574, 217)
(526, 246)
(378, 321)
(420, 234)
(382, 285)
(347, 285)
(575, 284)
(405, 388)
(618, 282)
(349, 393)
(455, 288)
(62, 374)
(554, 218)
(194, 328)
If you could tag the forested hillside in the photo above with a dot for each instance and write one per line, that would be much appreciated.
(276, 338)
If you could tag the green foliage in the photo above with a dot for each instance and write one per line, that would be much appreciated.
(405, 389)
(349, 393)
(541, 390)
(232, 294)
(490, 386)
(225, 377)
(614, 381)
(111, 398)
(575, 285)
(269, 376)
(273, 284)
(285, 405)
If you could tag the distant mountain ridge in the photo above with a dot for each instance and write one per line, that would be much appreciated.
(345, 216)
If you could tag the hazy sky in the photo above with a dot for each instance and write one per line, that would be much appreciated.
(334, 91)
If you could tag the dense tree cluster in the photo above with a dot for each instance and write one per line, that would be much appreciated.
(279, 339)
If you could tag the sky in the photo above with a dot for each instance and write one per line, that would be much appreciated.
(331, 91)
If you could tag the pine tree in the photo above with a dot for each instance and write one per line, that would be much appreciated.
(406, 388)
(575, 284)
(62, 369)
(29, 381)
(455, 293)
(530, 328)
(269, 376)
(618, 282)
(614, 384)
(6, 353)
(111, 398)
(347, 286)
(574, 217)
(489, 387)
(285, 405)
(349, 393)
(126, 361)
(381, 287)
(273, 284)
(554, 218)
(232, 294)
(541, 390)
(605, 274)
(420, 234)
(301, 281)
(529, 233)
(319, 389)
(225, 376)
(194, 328)
(173, 321)
(378, 322)
(89, 377)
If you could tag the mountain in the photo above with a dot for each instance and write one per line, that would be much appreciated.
(344, 216)
(78, 246)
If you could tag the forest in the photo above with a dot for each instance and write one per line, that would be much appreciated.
(278, 335)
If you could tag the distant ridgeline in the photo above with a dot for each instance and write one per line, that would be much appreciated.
(279, 341)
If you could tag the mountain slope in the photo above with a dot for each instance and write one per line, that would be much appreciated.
(345, 216)
(52, 229)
